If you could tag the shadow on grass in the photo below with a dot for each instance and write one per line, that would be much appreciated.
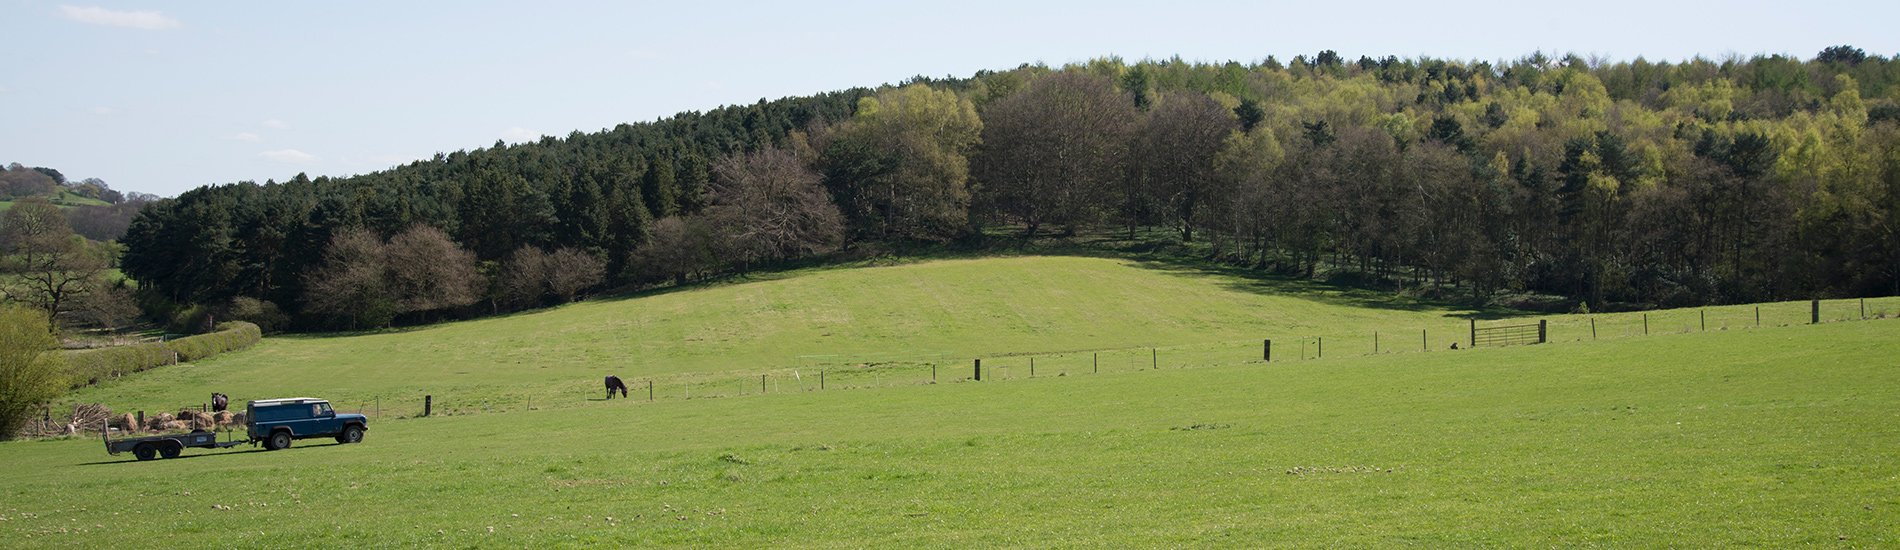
(208, 453)
(1265, 283)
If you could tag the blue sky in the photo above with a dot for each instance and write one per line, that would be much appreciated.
(161, 97)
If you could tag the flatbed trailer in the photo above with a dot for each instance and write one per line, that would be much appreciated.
(168, 445)
(271, 422)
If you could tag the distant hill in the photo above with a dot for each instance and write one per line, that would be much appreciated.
(93, 208)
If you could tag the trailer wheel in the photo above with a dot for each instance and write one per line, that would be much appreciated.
(351, 434)
(170, 449)
(278, 440)
(145, 451)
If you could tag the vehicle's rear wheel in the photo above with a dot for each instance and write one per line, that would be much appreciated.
(279, 440)
(170, 449)
(351, 434)
(145, 451)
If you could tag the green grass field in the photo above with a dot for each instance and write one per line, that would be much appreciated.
(1767, 437)
(1009, 307)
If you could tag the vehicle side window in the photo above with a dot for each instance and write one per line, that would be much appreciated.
(323, 409)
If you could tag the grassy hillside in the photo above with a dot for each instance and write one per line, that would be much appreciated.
(890, 325)
(1774, 437)
(65, 199)
(969, 308)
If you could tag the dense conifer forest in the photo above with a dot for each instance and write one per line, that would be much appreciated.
(1610, 184)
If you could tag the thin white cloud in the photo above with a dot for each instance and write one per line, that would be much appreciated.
(518, 134)
(288, 156)
(101, 110)
(148, 20)
(5, 90)
(274, 123)
(247, 136)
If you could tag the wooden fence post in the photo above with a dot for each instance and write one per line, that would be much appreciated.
(761, 383)
(1815, 319)
(979, 370)
(1474, 333)
(1705, 320)
(1032, 367)
(1319, 347)
(1266, 350)
(1098, 362)
(428, 402)
(1154, 358)
(649, 389)
(1758, 316)
(1645, 324)
(1424, 341)
(1543, 330)
(1375, 342)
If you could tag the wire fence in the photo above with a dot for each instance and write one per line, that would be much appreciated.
(925, 367)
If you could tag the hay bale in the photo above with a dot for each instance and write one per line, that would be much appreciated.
(158, 421)
(238, 419)
(203, 422)
(177, 426)
(127, 422)
(223, 418)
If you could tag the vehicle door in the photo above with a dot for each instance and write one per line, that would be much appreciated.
(323, 420)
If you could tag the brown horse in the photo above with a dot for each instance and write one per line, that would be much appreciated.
(614, 383)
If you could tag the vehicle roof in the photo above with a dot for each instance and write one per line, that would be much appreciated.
(287, 401)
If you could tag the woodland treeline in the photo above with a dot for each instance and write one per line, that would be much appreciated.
(1611, 184)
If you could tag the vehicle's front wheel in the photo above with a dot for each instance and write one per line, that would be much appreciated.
(351, 434)
(279, 440)
(145, 451)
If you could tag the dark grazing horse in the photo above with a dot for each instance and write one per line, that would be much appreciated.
(219, 402)
(614, 383)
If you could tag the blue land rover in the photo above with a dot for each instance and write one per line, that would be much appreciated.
(275, 422)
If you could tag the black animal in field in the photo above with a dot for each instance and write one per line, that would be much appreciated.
(614, 383)
(219, 402)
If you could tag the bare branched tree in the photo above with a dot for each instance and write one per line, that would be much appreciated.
(47, 266)
(350, 284)
(524, 278)
(770, 206)
(680, 248)
(572, 270)
(1052, 153)
(1175, 156)
(428, 272)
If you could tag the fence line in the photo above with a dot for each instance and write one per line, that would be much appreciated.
(905, 371)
